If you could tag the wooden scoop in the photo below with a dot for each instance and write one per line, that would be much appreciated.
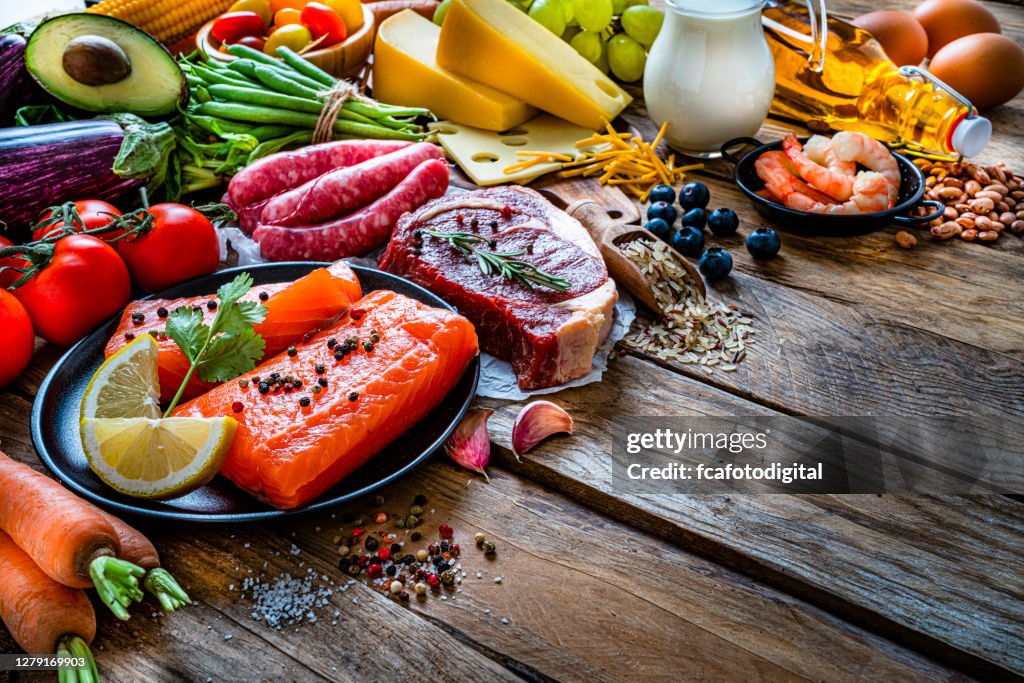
(609, 235)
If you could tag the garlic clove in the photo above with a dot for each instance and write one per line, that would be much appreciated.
(470, 444)
(536, 422)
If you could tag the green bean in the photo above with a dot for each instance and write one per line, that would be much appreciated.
(269, 132)
(217, 126)
(279, 82)
(255, 114)
(296, 78)
(246, 67)
(265, 98)
(222, 77)
(378, 110)
(305, 67)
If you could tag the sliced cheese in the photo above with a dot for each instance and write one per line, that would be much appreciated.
(493, 42)
(405, 73)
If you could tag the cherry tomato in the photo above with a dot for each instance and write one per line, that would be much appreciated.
(260, 7)
(94, 214)
(229, 27)
(9, 277)
(294, 36)
(16, 338)
(324, 22)
(350, 10)
(278, 5)
(181, 245)
(85, 283)
(255, 42)
(287, 16)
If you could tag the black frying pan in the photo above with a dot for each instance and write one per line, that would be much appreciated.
(911, 191)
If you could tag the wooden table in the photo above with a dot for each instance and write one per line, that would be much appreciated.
(596, 585)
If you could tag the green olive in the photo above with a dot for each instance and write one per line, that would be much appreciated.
(94, 60)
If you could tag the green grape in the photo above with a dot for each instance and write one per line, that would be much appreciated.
(593, 15)
(567, 12)
(441, 11)
(636, 3)
(570, 33)
(602, 61)
(626, 58)
(549, 15)
(589, 45)
(642, 23)
(618, 6)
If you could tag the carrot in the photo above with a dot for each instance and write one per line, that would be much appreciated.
(43, 616)
(137, 549)
(71, 541)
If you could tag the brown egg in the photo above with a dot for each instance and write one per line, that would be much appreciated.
(946, 20)
(901, 35)
(986, 68)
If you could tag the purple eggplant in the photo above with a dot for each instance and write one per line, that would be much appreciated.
(16, 85)
(103, 158)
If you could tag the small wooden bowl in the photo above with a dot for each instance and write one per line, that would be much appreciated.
(341, 60)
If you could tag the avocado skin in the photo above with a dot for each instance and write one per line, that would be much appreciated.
(155, 87)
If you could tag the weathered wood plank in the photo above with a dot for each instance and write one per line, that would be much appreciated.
(868, 559)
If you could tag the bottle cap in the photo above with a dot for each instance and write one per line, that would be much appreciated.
(971, 135)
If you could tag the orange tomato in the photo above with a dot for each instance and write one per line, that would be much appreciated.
(350, 10)
(326, 25)
(287, 16)
(278, 5)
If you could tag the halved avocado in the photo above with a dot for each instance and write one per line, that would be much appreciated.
(102, 64)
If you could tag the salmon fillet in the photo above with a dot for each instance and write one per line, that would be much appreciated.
(286, 453)
(294, 309)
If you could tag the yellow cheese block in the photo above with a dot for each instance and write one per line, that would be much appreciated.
(493, 42)
(405, 73)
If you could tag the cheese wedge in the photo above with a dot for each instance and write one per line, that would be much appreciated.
(493, 42)
(405, 73)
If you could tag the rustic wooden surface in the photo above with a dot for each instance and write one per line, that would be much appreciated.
(597, 585)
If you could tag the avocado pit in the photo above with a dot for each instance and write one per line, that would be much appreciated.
(95, 60)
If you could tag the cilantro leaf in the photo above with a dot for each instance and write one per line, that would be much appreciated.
(231, 292)
(229, 356)
(185, 326)
(241, 316)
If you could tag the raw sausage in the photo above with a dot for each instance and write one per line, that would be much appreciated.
(345, 190)
(285, 170)
(358, 233)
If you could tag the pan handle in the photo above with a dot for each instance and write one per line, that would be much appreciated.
(724, 149)
(917, 220)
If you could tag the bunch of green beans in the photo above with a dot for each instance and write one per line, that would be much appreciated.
(256, 105)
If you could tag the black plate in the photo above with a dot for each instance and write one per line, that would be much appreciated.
(911, 191)
(55, 418)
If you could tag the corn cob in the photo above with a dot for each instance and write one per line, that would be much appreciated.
(166, 20)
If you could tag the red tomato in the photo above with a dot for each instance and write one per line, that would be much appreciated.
(181, 245)
(94, 214)
(228, 28)
(9, 277)
(255, 42)
(85, 283)
(321, 20)
(16, 338)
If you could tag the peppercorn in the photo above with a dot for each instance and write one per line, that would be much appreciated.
(297, 383)
(338, 355)
(448, 577)
(322, 382)
(353, 559)
(445, 547)
(319, 369)
(263, 387)
(264, 296)
(442, 566)
(353, 396)
(445, 531)
(421, 555)
(488, 548)
(479, 538)
(415, 535)
(456, 551)
(129, 336)
(396, 587)
(372, 543)
(357, 531)
(357, 313)
(408, 559)
(162, 312)
(367, 346)
(434, 548)
(212, 304)
(416, 510)
(363, 560)
(304, 401)
(384, 554)
(403, 596)
(316, 389)
(434, 580)
(138, 318)
(411, 521)
(288, 388)
(237, 406)
(197, 308)
(400, 522)
(381, 518)
(374, 570)
(354, 569)
(374, 337)
(292, 352)
(307, 336)
(243, 383)
(332, 342)
(396, 548)
(391, 570)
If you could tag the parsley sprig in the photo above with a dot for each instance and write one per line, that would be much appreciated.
(228, 346)
(500, 263)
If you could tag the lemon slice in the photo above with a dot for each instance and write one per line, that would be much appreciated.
(157, 458)
(126, 385)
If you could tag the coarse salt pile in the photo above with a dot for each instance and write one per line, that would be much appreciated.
(693, 330)
(286, 600)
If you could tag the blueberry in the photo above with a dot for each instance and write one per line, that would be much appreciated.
(715, 264)
(689, 241)
(660, 228)
(696, 218)
(694, 196)
(763, 243)
(723, 222)
(662, 210)
(663, 193)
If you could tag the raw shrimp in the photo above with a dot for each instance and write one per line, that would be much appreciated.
(839, 186)
(871, 153)
(819, 150)
(870, 190)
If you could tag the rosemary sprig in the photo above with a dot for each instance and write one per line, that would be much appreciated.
(500, 263)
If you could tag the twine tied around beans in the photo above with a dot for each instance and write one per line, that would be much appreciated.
(334, 99)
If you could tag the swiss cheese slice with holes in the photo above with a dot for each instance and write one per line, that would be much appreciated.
(484, 155)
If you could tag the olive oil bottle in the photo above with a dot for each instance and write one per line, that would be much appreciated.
(853, 86)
